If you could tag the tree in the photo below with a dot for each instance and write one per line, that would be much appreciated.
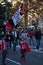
(3, 10)
(2, 15)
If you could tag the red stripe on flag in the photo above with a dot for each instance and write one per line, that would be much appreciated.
(9, 25)
(22, 11)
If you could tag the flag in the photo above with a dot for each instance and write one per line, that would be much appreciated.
(9, 25)
(18, 15)
(22, 10)
(15, 18)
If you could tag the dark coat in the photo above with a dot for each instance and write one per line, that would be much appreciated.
(8, 37)
(38, 35)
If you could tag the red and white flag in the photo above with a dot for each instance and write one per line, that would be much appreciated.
(15, 18)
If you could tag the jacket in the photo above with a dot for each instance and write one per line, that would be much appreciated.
(24, 46)
(4, 45)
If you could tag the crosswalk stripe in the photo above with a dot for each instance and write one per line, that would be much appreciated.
(35, 50)
(13, 61)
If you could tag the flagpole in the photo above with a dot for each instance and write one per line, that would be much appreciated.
(6, 15)
(6, 12)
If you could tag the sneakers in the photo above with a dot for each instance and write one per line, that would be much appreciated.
(15, 52)
(23, 60)
(3, 64)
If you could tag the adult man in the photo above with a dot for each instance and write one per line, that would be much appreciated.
(38, 37)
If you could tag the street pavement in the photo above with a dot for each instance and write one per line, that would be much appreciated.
(35, 57)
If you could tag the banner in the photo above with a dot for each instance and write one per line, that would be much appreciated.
(16, 17)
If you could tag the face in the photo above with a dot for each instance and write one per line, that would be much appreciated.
(23, 40)
(4, 37)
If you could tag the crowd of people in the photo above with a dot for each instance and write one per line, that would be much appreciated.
(16, 37)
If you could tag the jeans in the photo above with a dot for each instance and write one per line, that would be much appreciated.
(38, 43)
(14, 45)
(31, 40)
(9, 43)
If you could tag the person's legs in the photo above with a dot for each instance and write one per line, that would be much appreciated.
(4, 54)
(10, 43)
(23, 55)
(30, 40)
(37, 41)
(14, 46)
(3, 57)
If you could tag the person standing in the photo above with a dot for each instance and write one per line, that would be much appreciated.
(23, 49)
(15, 40)
(31, 34)
(4, 50)
(38, 37)
(8, 38)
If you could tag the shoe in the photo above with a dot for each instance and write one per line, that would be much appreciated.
(15, 52)
(25, 60)
(21, 59)
(3, 64)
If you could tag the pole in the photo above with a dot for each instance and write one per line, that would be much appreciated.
(26, 12)
(6, 12)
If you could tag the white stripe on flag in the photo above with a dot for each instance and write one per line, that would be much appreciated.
(16, 17)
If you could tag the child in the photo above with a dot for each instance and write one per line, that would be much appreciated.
(4, 50)
(24, 48)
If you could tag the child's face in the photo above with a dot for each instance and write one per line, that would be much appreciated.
(3, 37)
(23, 40)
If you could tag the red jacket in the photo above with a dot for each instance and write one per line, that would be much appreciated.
(24, 46)
(3, 46)
(31, 34)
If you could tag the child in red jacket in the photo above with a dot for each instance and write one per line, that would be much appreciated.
(24, 48)
(4, 50)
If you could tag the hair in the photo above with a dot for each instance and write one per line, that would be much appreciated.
(4, 36)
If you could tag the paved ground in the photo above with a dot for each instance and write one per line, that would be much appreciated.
(35, 57)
